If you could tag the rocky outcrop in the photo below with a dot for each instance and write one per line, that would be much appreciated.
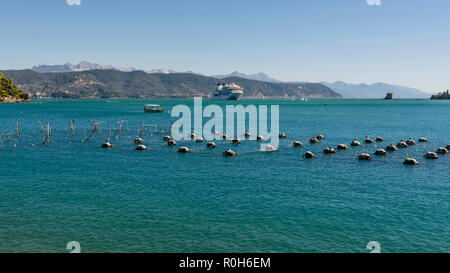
(441, 96)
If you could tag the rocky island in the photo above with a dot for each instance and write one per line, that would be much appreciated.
(9, 93)
(389, 96)
(441, 96)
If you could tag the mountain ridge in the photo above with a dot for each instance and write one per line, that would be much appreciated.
(86, 66)
(257, 76)
(139, 84)
(375, 90)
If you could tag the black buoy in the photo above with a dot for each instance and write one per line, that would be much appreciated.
(355, 143)
(368, 140)
(211, 145)
(192, 135)
(229, 152)
(342, 147)
(141, 148)
(224, 136)
(199, 139)
(329, 150)
(138, 140)
(423, 139)
(183, 150)
(379, 139)
(380, 152)
(246, 134)
(167, 138)
(282, 135)
(364, 157)
(402, 144)
(431, 155)
(236, 141)
(171, 142)
(259, 138)
(448, 147)
(107, 145)
(442, 150)
(410, 161)
(391, 148)
(320, 136)
(313, 140)
(410, 142)
(308, 154)
(298, 144)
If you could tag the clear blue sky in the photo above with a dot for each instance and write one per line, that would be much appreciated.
(402, 41)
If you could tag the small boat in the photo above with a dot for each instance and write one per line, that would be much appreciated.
(153, 108)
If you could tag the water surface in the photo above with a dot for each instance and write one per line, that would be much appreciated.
(122, 200)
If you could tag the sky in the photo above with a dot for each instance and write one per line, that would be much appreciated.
(402, 42)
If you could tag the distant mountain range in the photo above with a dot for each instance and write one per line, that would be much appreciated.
(85, 66)
(139, 84)
(376, 90)
(258, 76)
(82, 66)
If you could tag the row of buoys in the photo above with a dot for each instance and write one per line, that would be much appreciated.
(379, 152)
(225, 137)
(308, 154)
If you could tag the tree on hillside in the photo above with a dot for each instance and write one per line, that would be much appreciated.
(9, 90)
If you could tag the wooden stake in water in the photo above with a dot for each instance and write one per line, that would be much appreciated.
(48, 133)
(18, 129)
(72, 127)
(46, 136)
(42, 127)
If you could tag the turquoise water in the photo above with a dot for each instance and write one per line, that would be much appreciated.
(122, 200)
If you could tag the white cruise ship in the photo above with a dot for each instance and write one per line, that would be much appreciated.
(227, 92)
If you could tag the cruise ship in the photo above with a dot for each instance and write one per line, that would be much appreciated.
(227, 92)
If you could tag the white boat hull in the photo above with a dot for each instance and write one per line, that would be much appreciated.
(233, 96)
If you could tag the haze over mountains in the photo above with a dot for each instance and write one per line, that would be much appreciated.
(376, 90)
(347, 90)
(85, 66)
(257, 76)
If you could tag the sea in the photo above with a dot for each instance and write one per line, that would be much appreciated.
(62, 187)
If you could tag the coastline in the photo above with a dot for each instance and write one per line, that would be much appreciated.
(13, 100)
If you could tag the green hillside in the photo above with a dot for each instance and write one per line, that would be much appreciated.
(9, 91)
(138, 84)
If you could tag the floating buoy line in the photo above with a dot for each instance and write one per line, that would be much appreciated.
(163, 133)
